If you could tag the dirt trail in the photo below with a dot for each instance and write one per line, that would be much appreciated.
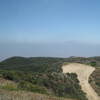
(83, 72)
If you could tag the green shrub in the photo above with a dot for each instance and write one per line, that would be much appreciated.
(93, 63)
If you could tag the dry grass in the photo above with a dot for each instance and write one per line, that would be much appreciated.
(4, 82)
(22, 95)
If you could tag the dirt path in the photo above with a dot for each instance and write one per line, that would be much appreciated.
(83, 72)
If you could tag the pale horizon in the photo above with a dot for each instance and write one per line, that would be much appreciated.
(49, 28)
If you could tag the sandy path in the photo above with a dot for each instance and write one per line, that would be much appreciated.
(83, 72)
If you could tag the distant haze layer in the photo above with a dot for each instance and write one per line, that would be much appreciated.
(48, 49)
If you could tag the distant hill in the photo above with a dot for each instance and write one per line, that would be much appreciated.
(44, 64)
(35, 64)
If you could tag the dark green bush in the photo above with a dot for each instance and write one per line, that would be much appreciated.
(93, 63)
(12, 75)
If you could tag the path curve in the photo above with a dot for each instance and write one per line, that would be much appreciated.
(83, 72)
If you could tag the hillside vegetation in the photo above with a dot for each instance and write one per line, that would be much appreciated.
(55, 84)
(44, 75)
(44, 64)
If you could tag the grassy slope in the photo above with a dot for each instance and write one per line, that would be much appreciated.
(23, 95)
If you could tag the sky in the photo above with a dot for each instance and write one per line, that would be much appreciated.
(56, 28)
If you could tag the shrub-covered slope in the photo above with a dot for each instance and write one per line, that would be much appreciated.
(55, 84)
(44, 75)
(32, 64)
(44, 64)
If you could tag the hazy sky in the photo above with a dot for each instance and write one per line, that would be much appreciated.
(49, 28)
